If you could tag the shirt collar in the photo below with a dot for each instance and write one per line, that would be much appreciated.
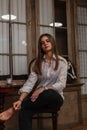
(53, 58)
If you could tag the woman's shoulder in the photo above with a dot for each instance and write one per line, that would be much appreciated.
(62, 59)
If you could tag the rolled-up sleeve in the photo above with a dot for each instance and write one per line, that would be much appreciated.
(60, 84)
(29, 84)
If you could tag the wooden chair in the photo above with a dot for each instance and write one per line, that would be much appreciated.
(51, 113)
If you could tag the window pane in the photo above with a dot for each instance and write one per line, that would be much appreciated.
(3, 7)
(82, 15)
(60, 13)
(18, 9)
(46, 14)
(4, 38)
(19, 65)
(46, 30)
(82, 37)
(83, 64)
(19, 39)
(4, 65)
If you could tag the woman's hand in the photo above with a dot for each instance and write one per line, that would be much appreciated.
(36, 94)
(17, 105)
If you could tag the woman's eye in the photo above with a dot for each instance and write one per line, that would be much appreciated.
(47, 41)
(42, 43)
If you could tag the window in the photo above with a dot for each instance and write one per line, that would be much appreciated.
(82, 45)
(53, 21)
(26, 20)
(13, 42)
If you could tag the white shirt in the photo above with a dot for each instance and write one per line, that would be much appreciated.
(50, 77)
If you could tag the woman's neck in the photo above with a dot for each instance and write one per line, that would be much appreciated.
(48, 56)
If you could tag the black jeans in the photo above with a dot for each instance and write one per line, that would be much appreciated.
(47, 99)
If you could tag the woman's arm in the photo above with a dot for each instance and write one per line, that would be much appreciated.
(23, 96)
(29, 84)
(60, 84)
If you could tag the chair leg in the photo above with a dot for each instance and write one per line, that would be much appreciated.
(54, 121)
(39, 122)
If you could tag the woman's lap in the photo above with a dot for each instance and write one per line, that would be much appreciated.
(48, 99)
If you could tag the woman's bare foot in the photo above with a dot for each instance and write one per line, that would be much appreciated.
(4, 116)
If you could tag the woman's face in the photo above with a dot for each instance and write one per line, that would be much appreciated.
(46, 44)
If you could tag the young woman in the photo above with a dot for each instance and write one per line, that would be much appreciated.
(50, 70)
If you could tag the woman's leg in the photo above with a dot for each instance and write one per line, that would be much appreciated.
(25, 119)
(47, 99)
(51, 99)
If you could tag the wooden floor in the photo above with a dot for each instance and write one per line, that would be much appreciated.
(78, 127)
(82, 127)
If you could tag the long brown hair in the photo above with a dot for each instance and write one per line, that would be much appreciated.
(39, 59)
